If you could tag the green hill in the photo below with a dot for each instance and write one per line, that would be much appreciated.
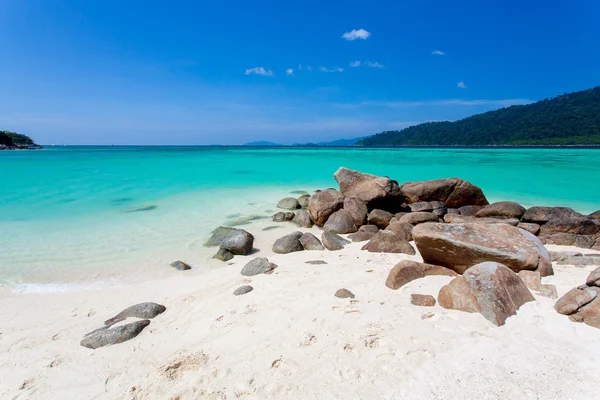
(570, 119)
(13, 140)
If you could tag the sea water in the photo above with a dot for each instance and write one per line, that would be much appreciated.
(103, 215)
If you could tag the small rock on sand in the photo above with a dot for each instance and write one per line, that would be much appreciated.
(119, 334)
(180, 266)
(243, 290)
(424, 300)
(259, 265)
(344, 294)
(316, 262)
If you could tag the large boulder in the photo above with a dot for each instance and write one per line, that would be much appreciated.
(574, 299)
(502, 209)
(357, 209)
(302, 219)
(589, 314)
(402, 229)
(239, 242)
(311, 242)
(289, 203)
(541, 214)
(361, 236)
(577, 226)
(462, 219)
(595, 215)
(569, 239)
(407, 271)
(256, 266)
(469, 211)
(324, 203)
(460, 246)
(388, 242)
(303, 200)
(219, 234)
(497, 290)
(340, 222)
(416, 218)
(288, 244)
(594, 278)
(333, 241)
(530, 227)
(375, 191)
(379, 218)
(452, 192)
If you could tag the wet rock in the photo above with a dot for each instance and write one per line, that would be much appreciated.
(502, 209)
(324, 203)
(219, 235)
(375, 191)
(311, 242)
(469, 211)
(302, 219)
(530, 227)
(407, 271)
(288, 244)
(316, 262)
(259, 265)
(416, 218)
(594, 278)
(423, 300)
(344, 294)
(357, 209)
(147, 310)
(541, 215)
(283, 216)
(243, 290)
(575, 299)
(577, 226)
(239, 242)
(180, 266)
(223, 255)
(333, 241)
(379, 218)
(452, 192)
(361, 236)
(460, 246)
(388, 242)
(340, 222)
(289, 203)
(119, 334)
(402, 229)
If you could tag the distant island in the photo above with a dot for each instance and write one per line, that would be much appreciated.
(570, 119)
(335, 143)
(16, 141)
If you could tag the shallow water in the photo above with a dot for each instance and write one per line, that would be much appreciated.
(98, 213)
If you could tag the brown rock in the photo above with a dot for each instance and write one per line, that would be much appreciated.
(569, 239)
(594, 278)
(369, 228)
(461, 219)
(375, 191)
(455, 210)
(530, 227)
(452, 192)
(357, 210)
(533, 282)
(340, 222)
(469, 211)
(502, 209)
(590, 313)
(594, 215)
(402, 229)
(424, 300)
(310, 242)
(380, 218)
(460, 246)
(388, 242)
(361, 236)
(577, 226)
(407, 271)
(344, 294)
(416, 218)
(541, 215)
(457, 295)
(333, 241)
(428, 206)
(575, 299)
(324, 203)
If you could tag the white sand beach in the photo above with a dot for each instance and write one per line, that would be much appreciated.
(290, 338)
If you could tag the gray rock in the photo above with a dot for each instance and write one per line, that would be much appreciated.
(369, 228)
(340, 222)
(239, 242)
(426, 206)
(361, 236)
(380, 218)
(142, 310)
(289, 203)
(324, 203)
(375, 191)
(243, 290)
(119, 334)
(416, 218)
(259, 265)
(219, 235)
(344, 294)
(333, 241)
(303, 200)
(270, 228)
(180, 266)
(461, 219)
(452, 192)
(283, 216)
(469, 211)
(311, 242)
(223, 255)
(288, 244)
(315, 262)
(388, 242)
(357, 209)
(302, 219)
(502, 209)
(541, 215)
(594, 215)
(577, 226)
(454, 210)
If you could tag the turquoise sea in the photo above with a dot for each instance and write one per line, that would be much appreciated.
(96, 215)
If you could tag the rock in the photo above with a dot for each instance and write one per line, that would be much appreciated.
(369, 228)
(223, 255)
(577, 226)
(569, 239)
(379, 218)
(594, 278)
(533, 282)
(361, 236)
(311, 242)
(180, 266)
(574, 258)
(461, 219)
(219, 235)
(239, 242)
(502, 209)
(333, 241)
(499, 292)
(375, 191)
(594, 215)
(457, 295)
(416, 218)
(303, 200)
(344, 294)
(142, 310)
(316, 262)
(357, 209)
(452, 192)
(562, 255)
(589, 313)
(460, 246)
(530, 227)
(283, 216)
(302, 219)
(402, 229)
(259, 265)
(288, 243)
(340, 222)
(426, 206)
(575, 299)
(541, 215)
(407, 271)
(324, 203)
(289, 203)
(469, 211)
(423, 300)
(455, 210)
(388, 242)
(119, 334)
(243, 290)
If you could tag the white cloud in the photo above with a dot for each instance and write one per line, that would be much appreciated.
(374, 64)
(355, 64)
(289, 72)
(334, 69)
(461, 85)
(438, 53)
(259, 71)
(356, 34)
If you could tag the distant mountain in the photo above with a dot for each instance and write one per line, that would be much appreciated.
(262, 143)
(12, 140)
(570, 119)
(335, 143)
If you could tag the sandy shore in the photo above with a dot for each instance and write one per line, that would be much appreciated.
(291, 338)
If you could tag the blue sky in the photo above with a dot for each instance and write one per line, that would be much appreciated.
(199, 72)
